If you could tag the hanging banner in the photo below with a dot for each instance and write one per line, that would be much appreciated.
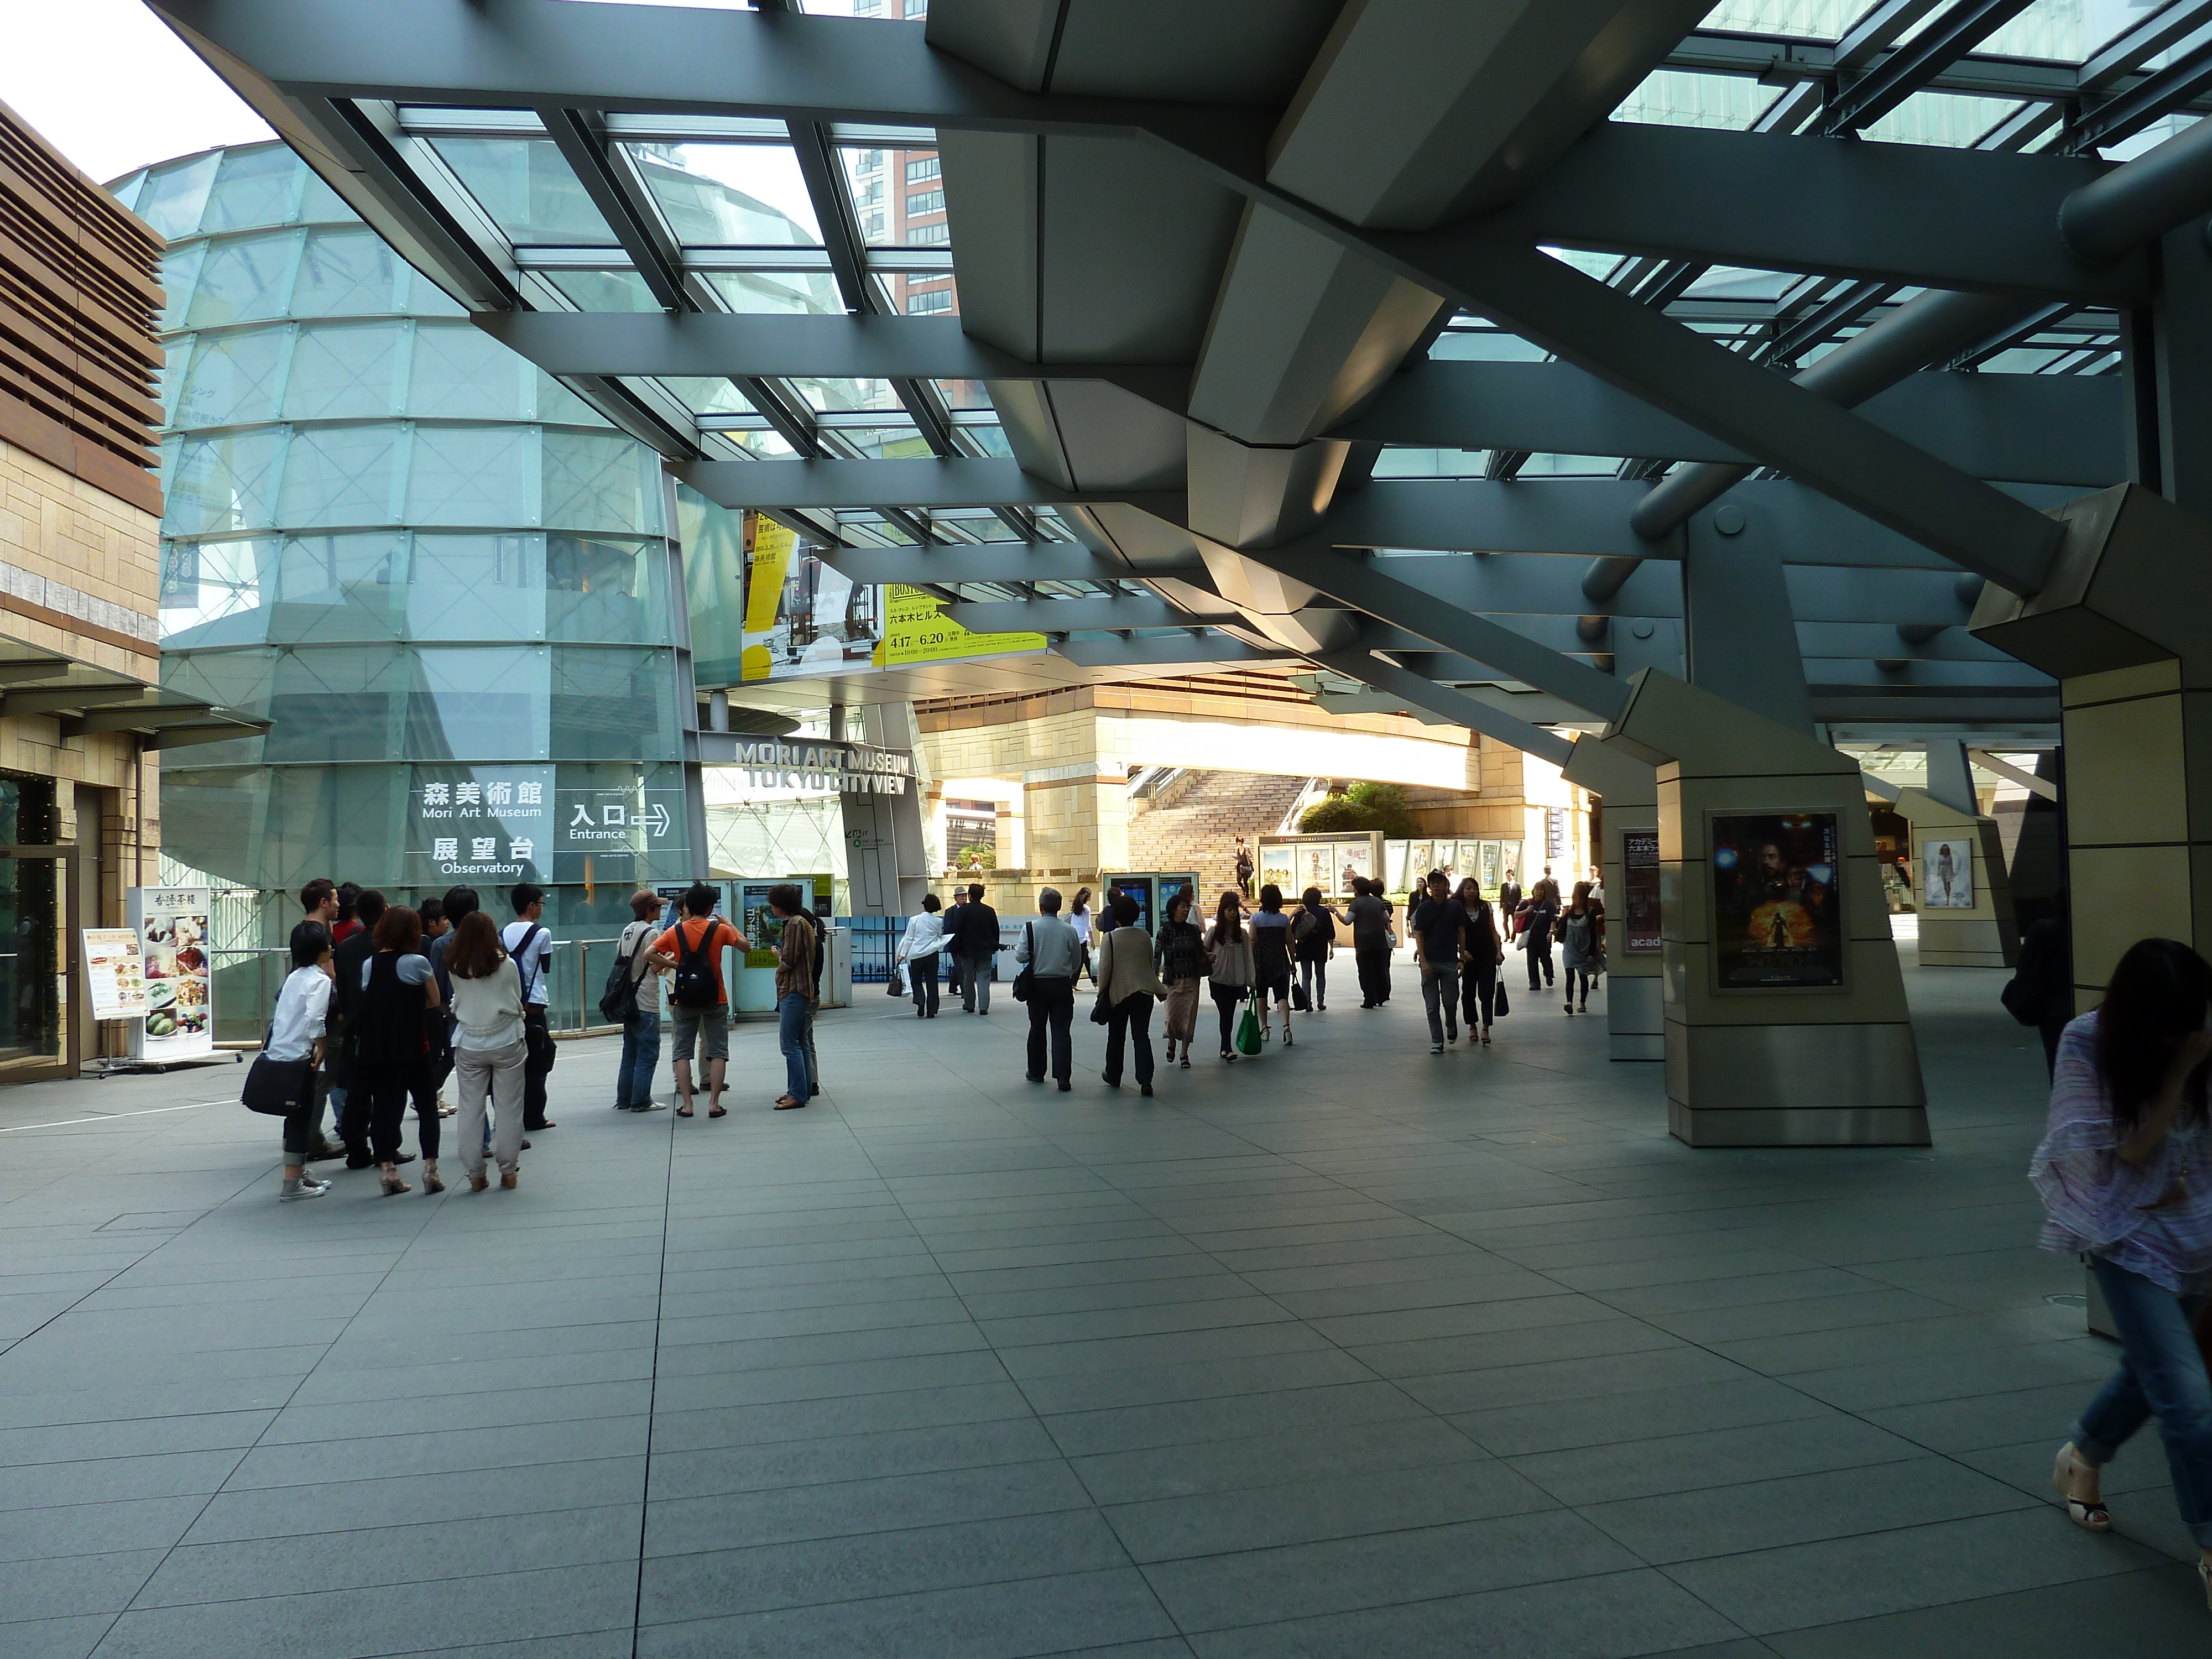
(115, 972)
(172, 925)
(916, 630)
(801, 615)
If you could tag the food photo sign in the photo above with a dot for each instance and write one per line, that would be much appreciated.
(171, 925)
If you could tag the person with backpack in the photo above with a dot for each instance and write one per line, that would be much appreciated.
(632, 995)
(1312, 936)
(797, 994)
(1581, 946)
(530, 942)
(693, 949)
(1229, 973)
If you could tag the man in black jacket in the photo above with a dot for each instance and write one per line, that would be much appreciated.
(975, 942)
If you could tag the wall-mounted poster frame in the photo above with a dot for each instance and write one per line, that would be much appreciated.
(1776, 901)
(1947, 873)
(1639, 860)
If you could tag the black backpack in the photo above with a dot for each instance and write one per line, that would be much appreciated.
(619, 998)
(695, 986)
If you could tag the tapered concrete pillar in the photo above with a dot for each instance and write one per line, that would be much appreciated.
(2124, 622)
(1784, 1009)
(1964, 900)
(1628, 787)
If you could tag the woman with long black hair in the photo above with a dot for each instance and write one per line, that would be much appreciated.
(1228, 949)
(392, 1050)
(1484, 954)
(1271, 958)
(2123, 1174)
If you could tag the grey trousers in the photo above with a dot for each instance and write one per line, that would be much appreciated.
(496, 1072)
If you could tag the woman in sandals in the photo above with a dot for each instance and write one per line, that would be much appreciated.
(1484, 953)
(489, 1047)
(1179, 953)
(392, 1047)
(2125, 1175)
(1229, 972)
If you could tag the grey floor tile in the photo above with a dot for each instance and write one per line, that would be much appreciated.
(1644, 1413)
(65, 1587)
(842, 1508)
(284, 1511)
(2159, 1611)
(53, 1639)
(109, 1479)
(1179, 1471)
(788, 1463)
(1717, 1457)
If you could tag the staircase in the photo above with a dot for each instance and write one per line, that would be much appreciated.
(1193, 824)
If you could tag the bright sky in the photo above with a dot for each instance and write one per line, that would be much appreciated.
(111, 87)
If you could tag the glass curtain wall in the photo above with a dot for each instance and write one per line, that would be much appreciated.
(443, 578)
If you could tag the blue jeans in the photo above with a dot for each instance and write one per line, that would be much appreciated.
(2161, 1375)
(640, 1055)
(794, 1031)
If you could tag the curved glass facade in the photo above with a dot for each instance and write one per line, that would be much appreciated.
(433, 567)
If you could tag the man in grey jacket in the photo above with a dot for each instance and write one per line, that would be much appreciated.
(1052, 952)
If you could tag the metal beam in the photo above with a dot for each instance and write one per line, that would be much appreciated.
(636, 224)
(1070, 615)
(1960, 28)
(1449, 704)
(1181, 650)
(858, 347)
(963, 480)
(992, 562)
(2054, 428)
(2004, 768)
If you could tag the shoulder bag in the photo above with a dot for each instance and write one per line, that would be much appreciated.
(1102, 1011)
(540, 1051)
(274, 1087)
(1027, 977)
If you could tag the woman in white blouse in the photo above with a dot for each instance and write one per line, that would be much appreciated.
(918, 953)
(488, 1046)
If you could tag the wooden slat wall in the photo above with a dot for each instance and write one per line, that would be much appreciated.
(79, 302)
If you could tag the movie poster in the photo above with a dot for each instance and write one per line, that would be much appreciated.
(1947, 875)
(1640, 859)
(1778, 916)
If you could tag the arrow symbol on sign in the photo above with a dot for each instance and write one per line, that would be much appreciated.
(657, 819)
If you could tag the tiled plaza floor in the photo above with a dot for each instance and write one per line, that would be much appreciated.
(1348, 1350)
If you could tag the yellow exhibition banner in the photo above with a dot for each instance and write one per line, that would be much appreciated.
(916, 630)
(769, 548)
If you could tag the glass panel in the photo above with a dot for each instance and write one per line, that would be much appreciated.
(964, 394)
(2056, 29)
(813, 292)
(730, 195)
(336, 703)
(890, 11)
(606, 590)
(174, 197)
(708, 394)
(1680, 97)
(181, 270)
(461, 372)
(206, 581)
(31, 922)
(245, 279)
(881, 442)
(339, 589)
(831, 396)
(479, 704)
(478, 588)
(233, 379)
(528, 188)
(612, 704)
(126, 190)
(985, 440)
(604, 290)
(257, 186)
(768, 445)
(221, 484)
(899, 195)
(339, 476)
(1952, 120)
(919, 294)
(342, 372)
(474, 476)
(594, 482)
(1811, 20)
(559, 406)
(345, 273)
(321, 205)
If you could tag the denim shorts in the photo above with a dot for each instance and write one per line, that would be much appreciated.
(710, 1027)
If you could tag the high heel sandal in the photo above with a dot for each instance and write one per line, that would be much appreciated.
(431, 1183)
(2089, 1514)
(393, 1186)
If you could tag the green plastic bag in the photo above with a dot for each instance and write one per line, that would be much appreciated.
(1248, 1031)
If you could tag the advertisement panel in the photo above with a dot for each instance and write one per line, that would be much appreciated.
(801, 616)
(115, 972)
(1947, 875)
(171, 925)
(1278, 864)
(1776, 916)
(1639, 858)
(1353, 857)
(916, 630)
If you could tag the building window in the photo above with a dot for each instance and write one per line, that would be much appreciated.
(921, 305)
(925, 201)
(928, 167)
(916, 9)
(871, 226)
(922, 235)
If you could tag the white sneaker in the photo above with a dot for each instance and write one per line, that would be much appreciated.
(295, 1190)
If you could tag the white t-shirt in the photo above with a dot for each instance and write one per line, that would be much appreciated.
(535, 961)
(303, 1011)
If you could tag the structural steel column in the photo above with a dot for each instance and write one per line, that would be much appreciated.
(1834, 1067)
(2120, 622)
(1629, 791)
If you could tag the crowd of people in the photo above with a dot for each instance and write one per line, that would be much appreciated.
(385, 1006)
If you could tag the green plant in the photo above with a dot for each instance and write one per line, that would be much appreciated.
(1364, 806)
(985, 856)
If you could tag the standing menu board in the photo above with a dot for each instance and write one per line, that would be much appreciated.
(171, 926)
(115, 972)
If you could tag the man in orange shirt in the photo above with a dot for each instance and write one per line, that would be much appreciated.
(697, 994)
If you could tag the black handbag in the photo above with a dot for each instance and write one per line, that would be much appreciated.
(276, 1087)
(1499, 1006)
(1027, 977)
(1102, 1011)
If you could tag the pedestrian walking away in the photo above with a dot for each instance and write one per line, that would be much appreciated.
(1078, 918)
(1128, 986)
(1271, 959)
(919, 953)
(1313, 937)
(976, 942)
(699, 1000)
(1439, 942)
(1368, 917)
(2127, 1124)
(636, 972)
(797, 993)
(1581, 946)
(1051, 951)
(491, 1051)
(530, 942)
(399, 992)
(1229, 973)
(1179, 954)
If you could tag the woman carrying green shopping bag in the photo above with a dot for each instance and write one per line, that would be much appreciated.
(1229, 973)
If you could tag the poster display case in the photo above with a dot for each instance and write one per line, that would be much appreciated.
(1776, 916)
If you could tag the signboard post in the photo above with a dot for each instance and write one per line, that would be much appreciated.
(171, 925)
(115, 972)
